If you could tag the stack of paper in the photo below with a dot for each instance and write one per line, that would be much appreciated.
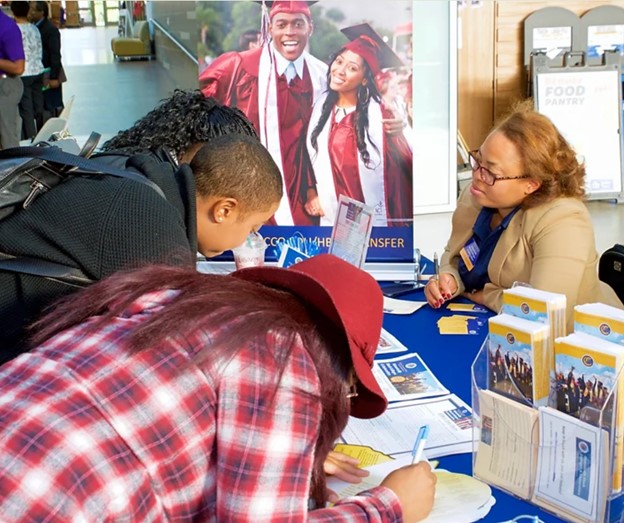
(519, 359)
(460, 324)
(587, 372)
(573, 467)
(600, 320)
(459, 498)
(536, 305)
(449, 419)
(507, 447)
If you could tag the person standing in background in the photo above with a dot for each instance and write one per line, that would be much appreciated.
(31, 103)
(11, 66)
(250, 39)
(51, 42)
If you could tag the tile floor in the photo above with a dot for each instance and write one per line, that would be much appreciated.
(110, 95)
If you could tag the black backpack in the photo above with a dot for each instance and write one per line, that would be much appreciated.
(28, 172)
(611, 269)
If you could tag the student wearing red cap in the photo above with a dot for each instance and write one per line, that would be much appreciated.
(350, 152)
(167, 394)
(275, 86)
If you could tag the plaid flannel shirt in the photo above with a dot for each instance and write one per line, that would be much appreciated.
(91, 433)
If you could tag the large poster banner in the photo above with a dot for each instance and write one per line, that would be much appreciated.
(327, 86)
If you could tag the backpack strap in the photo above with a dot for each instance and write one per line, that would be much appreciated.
(56, 155)
(44, 269)
(89, 146)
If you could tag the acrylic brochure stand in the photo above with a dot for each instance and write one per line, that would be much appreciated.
(508, 447)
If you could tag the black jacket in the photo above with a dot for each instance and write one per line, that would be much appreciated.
(99, 224)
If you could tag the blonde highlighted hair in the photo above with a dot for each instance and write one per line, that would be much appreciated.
(546, 155)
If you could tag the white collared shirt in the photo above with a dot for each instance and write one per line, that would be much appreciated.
(281, 63)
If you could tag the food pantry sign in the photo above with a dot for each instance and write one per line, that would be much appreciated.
(586, 106)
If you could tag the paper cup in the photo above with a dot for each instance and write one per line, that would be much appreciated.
(250, 253)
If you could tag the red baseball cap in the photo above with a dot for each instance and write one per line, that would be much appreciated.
(351, 299)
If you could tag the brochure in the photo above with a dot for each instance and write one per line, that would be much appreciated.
(507, 447)
(406, 377)
(572, 466)
(352, 230)
(389, 344)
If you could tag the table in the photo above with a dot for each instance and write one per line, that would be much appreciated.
(450, 357)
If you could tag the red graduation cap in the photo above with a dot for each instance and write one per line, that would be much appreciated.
(288, 6)
(367, 43)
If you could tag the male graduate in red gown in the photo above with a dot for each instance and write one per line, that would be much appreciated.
(276, 86)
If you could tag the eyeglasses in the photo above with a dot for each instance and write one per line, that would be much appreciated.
(487, 176)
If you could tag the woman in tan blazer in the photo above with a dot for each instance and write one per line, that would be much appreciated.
(523, 219)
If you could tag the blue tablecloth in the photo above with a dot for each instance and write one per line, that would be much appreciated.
(450, 357)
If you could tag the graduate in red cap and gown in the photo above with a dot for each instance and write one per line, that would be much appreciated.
(276, 86)
(350, 152)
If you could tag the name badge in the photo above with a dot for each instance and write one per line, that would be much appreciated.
(470, 253)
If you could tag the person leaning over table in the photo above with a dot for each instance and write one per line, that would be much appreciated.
(523, 219)
(167, 394)
(103, 224)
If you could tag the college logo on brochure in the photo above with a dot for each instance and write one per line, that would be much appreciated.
(587, 360)
(583, 446)
(605, 330)
(510, 338)
(524, 307)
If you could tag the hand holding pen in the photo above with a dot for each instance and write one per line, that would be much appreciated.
(440, 287)
(414, 484)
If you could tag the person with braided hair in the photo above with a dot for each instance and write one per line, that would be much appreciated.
(523, 219)
(350, 153)
(177, 126)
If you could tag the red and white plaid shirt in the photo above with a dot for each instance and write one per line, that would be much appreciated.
(91, 433)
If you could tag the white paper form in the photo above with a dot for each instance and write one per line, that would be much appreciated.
(407, 377)
(394, 306)
(393, 433)
(459, 498)
(571, 465)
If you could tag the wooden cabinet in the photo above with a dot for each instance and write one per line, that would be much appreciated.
(491, 71)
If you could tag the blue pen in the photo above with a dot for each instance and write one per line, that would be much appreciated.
(419, 444)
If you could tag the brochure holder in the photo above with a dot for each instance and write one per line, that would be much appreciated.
(507, 444)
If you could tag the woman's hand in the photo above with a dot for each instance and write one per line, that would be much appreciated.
(441, 289)
(313, 205)
(344, 467)
(393, 126)
(414, 485)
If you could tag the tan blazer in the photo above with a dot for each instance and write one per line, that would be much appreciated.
(551, 247)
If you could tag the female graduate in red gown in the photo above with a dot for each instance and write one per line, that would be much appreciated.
(349, 150)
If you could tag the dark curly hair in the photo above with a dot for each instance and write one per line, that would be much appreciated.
(364, 95)
(546, 155)
(184, 120)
